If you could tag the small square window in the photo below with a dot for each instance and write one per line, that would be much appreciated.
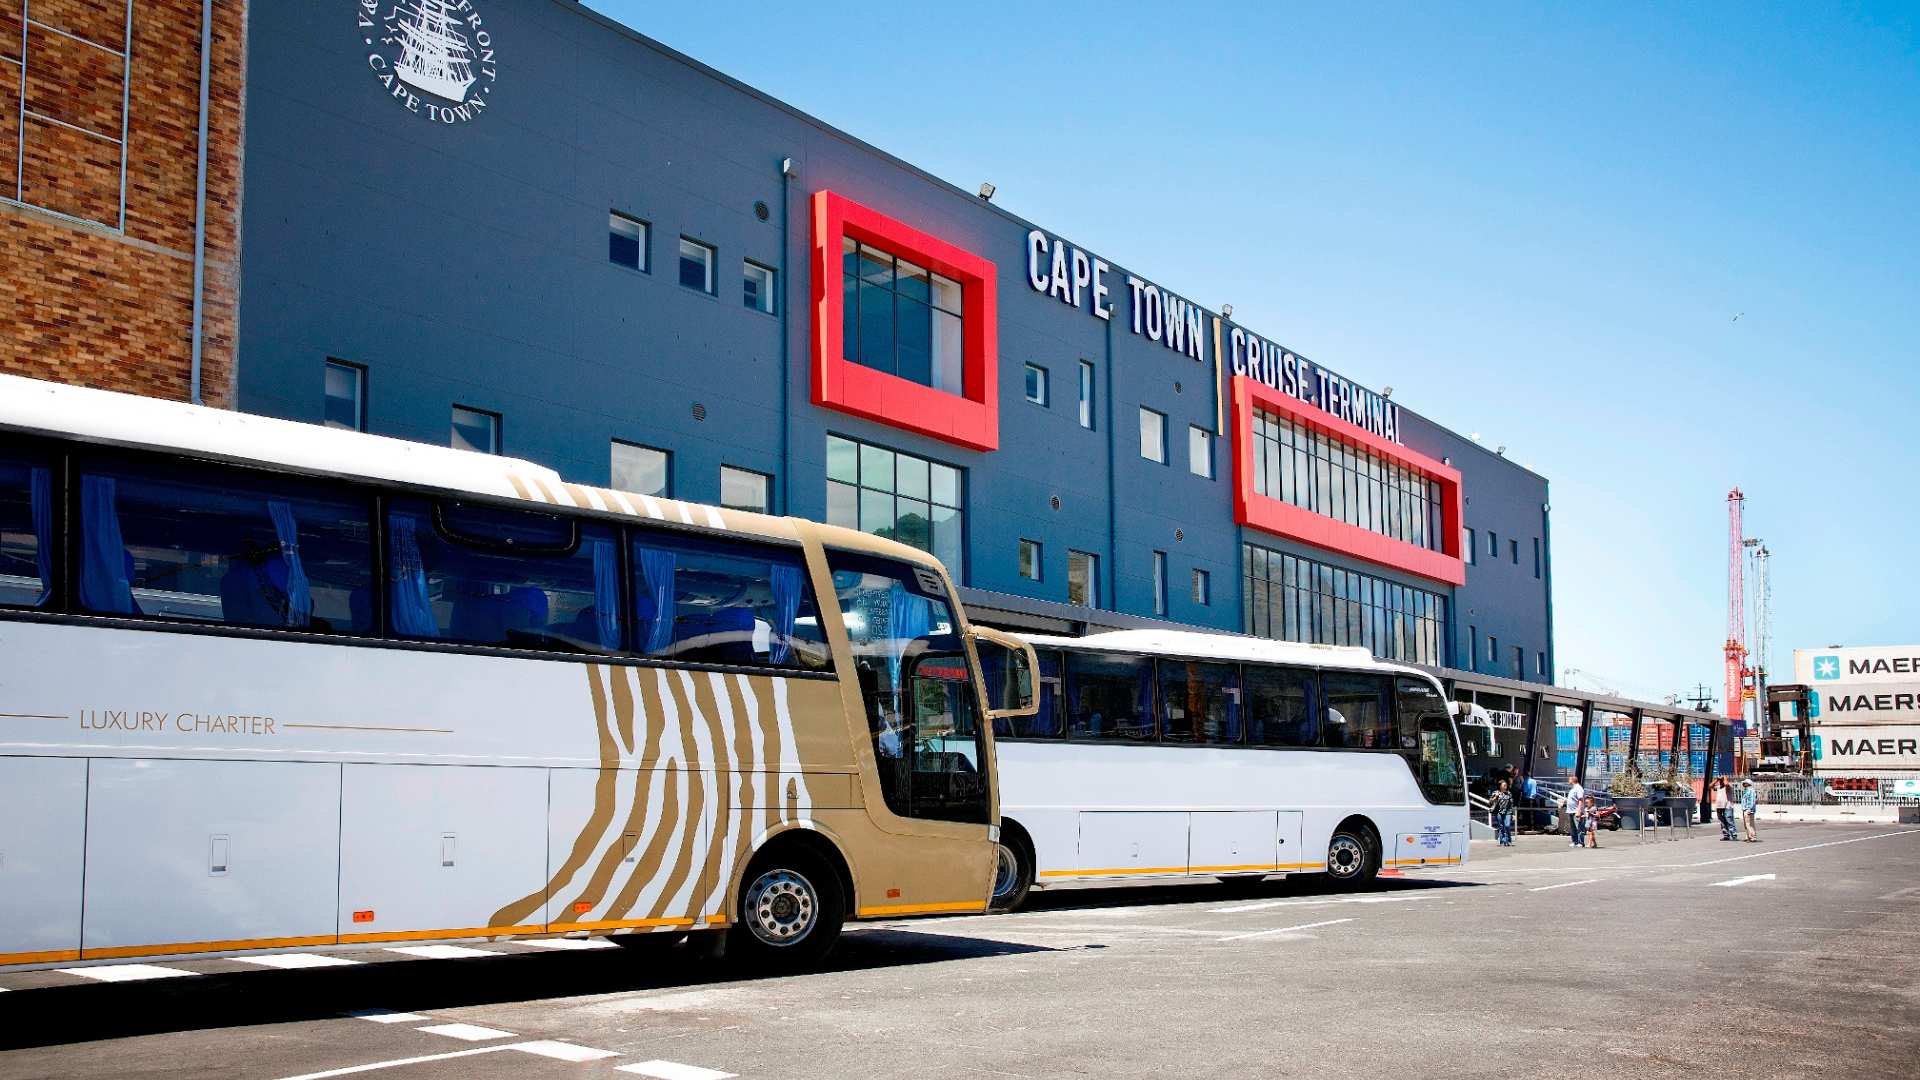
(1153, 435)
(642, 470)
(1200, 452)
(1036, 384)
(1202, 588)
(759, 292)
(346, 396)
(626, 241)
(744, 489)
(1030, 559)
(476, 429)
(696, 265)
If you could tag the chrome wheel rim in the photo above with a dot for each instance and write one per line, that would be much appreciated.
(1006, 871)
(781, 907)
(1345, 857)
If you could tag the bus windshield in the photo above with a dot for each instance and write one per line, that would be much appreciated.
(917, 688)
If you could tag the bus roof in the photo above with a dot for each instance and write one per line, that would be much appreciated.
(1205, 646)
(113, 418)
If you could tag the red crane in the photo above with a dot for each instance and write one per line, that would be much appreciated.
(1736, 611)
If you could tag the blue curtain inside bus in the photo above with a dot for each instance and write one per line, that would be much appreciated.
(412, 606)
(299, 593)
(787, 587)
(908, 619)
(606, 593)
(655, 598)
(42, 488)
(105, 566)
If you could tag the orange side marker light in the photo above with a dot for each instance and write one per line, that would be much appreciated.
(363, 916)
(893, 894)
(581, 907)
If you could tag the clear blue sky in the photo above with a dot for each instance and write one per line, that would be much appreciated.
(1536, 223)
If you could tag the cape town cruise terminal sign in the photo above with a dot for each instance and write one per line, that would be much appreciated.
(434, 57)
(1081, 280)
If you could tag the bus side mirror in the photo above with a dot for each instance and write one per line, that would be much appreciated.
(1008, 667)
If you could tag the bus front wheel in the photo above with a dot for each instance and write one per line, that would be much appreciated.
(1012, 871)
(1352, 855)
(791, 910)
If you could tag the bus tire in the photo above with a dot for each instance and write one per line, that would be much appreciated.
(1012, 869)
(1353, 854)
(791, 910)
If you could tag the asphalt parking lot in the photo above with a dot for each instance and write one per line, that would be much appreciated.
(1799, 956)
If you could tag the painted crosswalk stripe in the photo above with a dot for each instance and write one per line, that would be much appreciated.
(1285, 929)
(569, 943)
(440, 952)
(466, 1032)
(126, 972)
(673, 1070)
(1566, 884)
(565, 1051)
(1745, 880)
(297, 961)
(387, 1016)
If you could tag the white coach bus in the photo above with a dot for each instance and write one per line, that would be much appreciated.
(1159, 754)
(267, 685)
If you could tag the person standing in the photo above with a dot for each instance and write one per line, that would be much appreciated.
(1590, 821)
(1500, 808)
(1575, 794)
(1723, 808)
(1749, 807)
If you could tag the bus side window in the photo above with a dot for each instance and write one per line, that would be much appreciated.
(1044, 724)
(1110, 696)
(1199, 702)
(1359, 710)
(1280, 706)
(202, 543)
(482, 575)
(707, 600)
(26, 531)
(1427, 741)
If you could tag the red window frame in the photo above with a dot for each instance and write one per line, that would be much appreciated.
(970, 419)
(1271, 515)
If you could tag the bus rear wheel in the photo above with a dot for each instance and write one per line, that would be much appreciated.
(791, 911)
(1352, 855)
(1012, 872)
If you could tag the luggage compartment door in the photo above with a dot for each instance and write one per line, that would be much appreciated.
(1120, 842)
(43, 816)
(1232, 842)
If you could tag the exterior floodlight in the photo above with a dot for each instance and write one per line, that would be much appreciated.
(986, 191)
(1226, 311)
(1386, 391)
(786, 166)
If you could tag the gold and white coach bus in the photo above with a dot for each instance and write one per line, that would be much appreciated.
(1164, 754)
(267, 685)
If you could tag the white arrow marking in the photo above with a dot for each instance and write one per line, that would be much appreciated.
(1744, 880)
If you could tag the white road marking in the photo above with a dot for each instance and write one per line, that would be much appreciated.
(1565, 884)
(398, 1062)
(293, 961)
(466, 1032)
(440, 952)
(1744, 880)
(126, 972)
(1264, 905)
(673, 1070)
(563, 1051)
(387, 1016)
(1807, 847)
(1285, 929)
(569, 943)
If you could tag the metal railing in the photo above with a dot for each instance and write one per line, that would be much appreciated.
(1817, 791)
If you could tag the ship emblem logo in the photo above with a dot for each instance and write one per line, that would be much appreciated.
(435, 57)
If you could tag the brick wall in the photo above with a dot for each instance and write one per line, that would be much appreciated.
(89, 293)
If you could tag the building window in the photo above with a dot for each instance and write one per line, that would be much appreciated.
(1159, 583)
(346, 394)
(1469, 548)
(1473, 648)
(899, 496)
(627, 241)
(696, 265)
(1493, 544)
(758, 288)
(744, 489)
(901, 318)
(1037, 384)
(1519, 662)
(1030, 559)
(1493, 650)
(1202, 588)
(1536, 557)
(1200, 451)
(1290, 598)
(476, 429)
(1153, 435)
(1083, 579)
(64, 148)
(1514, 550)
(642, 470)
(1540, 664)
(1086, 394)
(1296, 464)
